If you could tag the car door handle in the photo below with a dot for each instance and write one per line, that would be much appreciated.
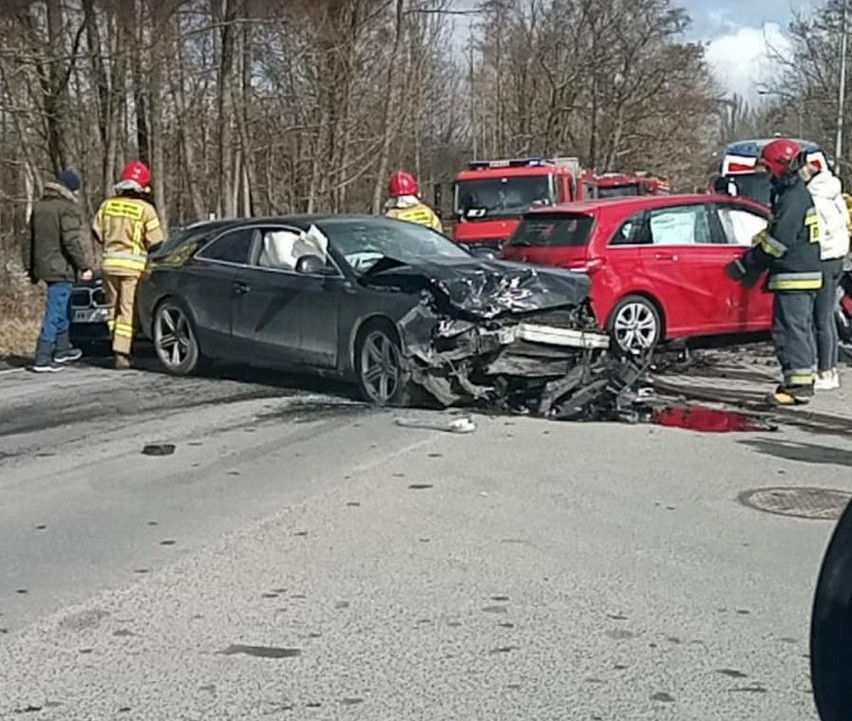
(241, 288)
(665, 256)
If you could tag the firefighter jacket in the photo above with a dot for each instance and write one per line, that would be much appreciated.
(126, 226)
(789, 248)
(413, 210)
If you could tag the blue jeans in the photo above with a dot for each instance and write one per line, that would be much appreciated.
(57, 311)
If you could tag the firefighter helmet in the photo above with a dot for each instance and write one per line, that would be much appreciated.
(137, 172)
(778, 155)
(402, 183)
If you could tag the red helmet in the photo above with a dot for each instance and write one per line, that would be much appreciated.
(402, 183)
(138, 172)
(778, 155)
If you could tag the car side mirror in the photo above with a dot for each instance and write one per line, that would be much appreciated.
(313, 265)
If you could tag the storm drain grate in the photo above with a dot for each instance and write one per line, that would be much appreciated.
(824, 504)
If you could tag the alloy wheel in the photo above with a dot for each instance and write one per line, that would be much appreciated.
(380, 367)
(173, 337)
(635, 327)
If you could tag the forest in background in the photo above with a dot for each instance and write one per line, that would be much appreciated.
(251, 107)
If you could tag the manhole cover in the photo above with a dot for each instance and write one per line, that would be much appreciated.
(815, 503)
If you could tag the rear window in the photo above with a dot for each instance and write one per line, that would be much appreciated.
(553, 230)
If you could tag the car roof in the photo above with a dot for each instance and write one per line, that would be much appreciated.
(628, 205)
(302, 221)
(752, 147)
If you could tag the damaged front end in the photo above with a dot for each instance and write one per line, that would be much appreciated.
(513, 338)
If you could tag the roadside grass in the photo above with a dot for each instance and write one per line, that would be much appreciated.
(21, 307)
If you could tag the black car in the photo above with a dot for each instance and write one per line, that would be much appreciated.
(393, 305)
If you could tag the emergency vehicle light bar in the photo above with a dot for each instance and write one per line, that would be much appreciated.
(515, 163)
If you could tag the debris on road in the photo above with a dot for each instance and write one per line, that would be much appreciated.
(158, 449)
(457, 425)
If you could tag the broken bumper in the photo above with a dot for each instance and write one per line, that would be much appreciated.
(520, 366)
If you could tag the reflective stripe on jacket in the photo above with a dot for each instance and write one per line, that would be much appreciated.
(127, 228)
(790, 247)
(420, 213)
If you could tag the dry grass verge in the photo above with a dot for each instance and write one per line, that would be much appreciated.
(21, 308)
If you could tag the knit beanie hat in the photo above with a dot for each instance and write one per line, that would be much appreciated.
(70, 179)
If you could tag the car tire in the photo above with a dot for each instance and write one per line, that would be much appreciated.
(382, 378)
(635, 325)
(175, 339)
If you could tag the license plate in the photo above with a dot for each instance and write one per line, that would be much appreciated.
(90, 315)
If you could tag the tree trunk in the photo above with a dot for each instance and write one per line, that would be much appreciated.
(249, 173)
(54, 107)
(134, 36)
(159, 21)
(225, 105)
(388, 124)
(177, 81)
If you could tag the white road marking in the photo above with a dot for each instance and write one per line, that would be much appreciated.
(12, 370)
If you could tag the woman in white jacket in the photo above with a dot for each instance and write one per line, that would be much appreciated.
(826, 191)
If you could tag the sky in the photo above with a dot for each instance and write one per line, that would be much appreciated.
(739, 34)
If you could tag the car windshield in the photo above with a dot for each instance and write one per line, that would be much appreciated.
(501, 197)
(175, 238)
(553, 230)
(363, 243)
(753, 185)
(617, 191)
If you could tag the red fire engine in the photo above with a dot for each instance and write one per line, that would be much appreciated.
(491, 196)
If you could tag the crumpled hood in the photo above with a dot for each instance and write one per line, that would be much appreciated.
(479, 289)
(825, 185)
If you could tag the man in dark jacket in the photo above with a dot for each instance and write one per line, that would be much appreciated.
(789, 249)
(58, 253)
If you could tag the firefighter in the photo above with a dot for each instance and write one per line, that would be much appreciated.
(404, 202)
(789, 249)
(127, 226)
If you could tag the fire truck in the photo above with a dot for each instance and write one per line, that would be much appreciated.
(491, 196)
(739, 167)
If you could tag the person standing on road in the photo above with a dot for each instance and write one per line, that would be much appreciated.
(127, 226)
(58, 254)
(789, 249)
(405, 204)
(827, 193)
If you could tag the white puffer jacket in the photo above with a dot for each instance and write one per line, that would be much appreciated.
(826, 191)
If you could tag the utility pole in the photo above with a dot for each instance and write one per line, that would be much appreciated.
(841, 93)
(473, 99)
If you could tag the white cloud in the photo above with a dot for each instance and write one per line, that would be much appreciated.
(742, 59)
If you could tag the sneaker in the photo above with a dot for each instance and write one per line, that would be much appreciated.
(47, 367)
(43, 361)
(68, 356)
(835, 379)
(824, 381)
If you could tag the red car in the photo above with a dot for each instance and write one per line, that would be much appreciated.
(656, 262)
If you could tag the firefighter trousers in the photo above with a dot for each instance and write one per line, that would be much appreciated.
(121, 298)
(793, 335)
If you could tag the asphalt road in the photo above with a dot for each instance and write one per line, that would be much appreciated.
(301, 556)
